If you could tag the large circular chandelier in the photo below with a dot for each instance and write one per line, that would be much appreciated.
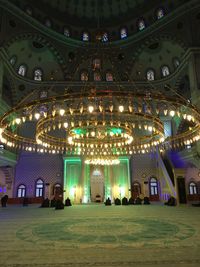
(101, 124)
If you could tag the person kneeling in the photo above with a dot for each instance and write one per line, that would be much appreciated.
(108, 202)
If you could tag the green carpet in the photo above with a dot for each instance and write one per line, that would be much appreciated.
(95, 235)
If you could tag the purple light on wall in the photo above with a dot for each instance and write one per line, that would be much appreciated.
(176, 159)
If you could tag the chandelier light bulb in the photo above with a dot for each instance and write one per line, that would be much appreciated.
(111, 108)
(37, 116)
(150, 128)
(62, 112)
(172, 113)
(65, 124)
(165, 112)
(121, 108)
(18, 120)
(90, 109)
(130, 108)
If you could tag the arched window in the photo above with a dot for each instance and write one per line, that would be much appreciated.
(21, 191)
(153, 186)
(150, 75)
(66, 32)
(109, 77)
(192, 188)
(176, 62)
(38, 75)
(22, 70)
(85, 36)
(48, 23)
(104, 37)
(160, 13)
(123, 33)
(84, 76)
(165, 71)
(141, 24)
(97, 76)
(39, 188)
(13, 60)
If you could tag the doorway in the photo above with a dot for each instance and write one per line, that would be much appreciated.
(181, 190)
(97, 188)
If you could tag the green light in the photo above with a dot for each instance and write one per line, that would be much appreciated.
(72, 173)
(79, 131)
(115, 130)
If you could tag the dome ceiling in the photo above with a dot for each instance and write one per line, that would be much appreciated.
(92, 13)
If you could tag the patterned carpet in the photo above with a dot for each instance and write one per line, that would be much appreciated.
(95, 235)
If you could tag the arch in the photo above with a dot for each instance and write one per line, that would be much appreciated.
(193, 188)
(22, 70)
(141, 24)
(57, 191)
(150, 75)
(21, 190)
(123, 33)
(39, 188)
(85, 36)
(165, 71)
(37, 75)
(160, 13)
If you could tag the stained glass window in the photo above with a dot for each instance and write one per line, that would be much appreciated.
(84, 76)
(165, 71)
(38, 75)
(141, 24)
(150, 75)
(160, 13)
(85, 37)
(22, 70)
(109, 77)
(123, 33)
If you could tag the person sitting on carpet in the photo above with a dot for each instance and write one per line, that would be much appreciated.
(171, 201)
(45, 203)
(108, 202)
(117, 201)
(131, 201)
(146, 201)
(124, 201)
(68, 202)
(4, 200)
(138, 201)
